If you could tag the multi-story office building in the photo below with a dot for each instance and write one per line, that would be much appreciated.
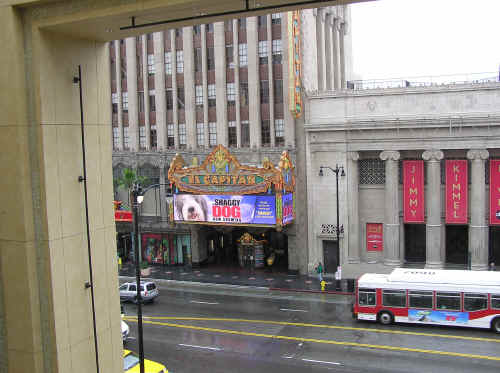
(236, 83)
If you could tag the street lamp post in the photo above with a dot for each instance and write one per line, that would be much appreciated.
(137, 198)
(338, 169)
(136, 193)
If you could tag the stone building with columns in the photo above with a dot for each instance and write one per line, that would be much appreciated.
(373, 133)
(185, 90)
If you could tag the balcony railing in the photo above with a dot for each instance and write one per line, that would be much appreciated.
(425, 81)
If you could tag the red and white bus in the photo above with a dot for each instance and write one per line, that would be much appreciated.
(429, 296)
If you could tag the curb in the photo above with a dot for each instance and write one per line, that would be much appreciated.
(312, 291)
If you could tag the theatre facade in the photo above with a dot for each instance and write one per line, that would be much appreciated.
(422, 177)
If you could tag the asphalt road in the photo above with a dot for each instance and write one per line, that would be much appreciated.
(215, 329)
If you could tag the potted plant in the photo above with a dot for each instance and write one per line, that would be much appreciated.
(145, 269)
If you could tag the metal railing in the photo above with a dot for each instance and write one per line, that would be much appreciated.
(425, 81)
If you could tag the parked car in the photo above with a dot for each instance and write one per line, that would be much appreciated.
(149, 291)
(125, 331)
(131, 364)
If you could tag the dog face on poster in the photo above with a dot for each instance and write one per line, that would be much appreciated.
(189, 207)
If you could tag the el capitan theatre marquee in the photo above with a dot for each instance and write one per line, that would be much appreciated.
(221, 191)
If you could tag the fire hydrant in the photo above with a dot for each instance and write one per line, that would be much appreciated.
(323, 284)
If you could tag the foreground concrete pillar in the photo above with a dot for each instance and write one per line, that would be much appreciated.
(46, 322)
(433, 208)
(478, 229)
(391, 214)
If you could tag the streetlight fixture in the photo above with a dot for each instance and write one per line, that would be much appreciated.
(338, 169)
(137, 198)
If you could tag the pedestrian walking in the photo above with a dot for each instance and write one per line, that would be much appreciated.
(319, 270)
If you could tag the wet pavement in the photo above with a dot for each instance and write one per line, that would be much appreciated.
(265, 278)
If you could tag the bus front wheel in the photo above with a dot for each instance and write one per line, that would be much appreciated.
(385, 318)
(495, 325)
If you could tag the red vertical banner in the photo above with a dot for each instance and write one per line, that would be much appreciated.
(374, 237)
(456, 191)
(413, 191)
(495, 191)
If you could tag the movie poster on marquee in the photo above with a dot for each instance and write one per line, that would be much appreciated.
(495, 191)
(224, 209)
(456, 191)
(287, 201)
(413, 192)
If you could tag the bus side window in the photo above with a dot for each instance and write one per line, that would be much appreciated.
(366, 297)
(495, 301)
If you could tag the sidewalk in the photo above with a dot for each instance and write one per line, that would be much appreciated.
(266, 278)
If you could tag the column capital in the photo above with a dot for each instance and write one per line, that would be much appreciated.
(353, 156)
(390, 155)
(478, 154)
(432, 155)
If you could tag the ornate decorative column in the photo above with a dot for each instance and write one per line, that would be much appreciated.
(391, 215)
(433, 208)
(478, 229)
(353, 206)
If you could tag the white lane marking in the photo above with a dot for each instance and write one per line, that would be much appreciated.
(203, 347)
(199, 302)
(287, 357)
(292, 310)
(322, 362)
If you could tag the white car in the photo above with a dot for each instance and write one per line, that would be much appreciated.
(125, 331)
(128, 291)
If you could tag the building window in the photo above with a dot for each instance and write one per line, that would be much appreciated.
(180, 97)
(228, 25)
(210, 58)
(266, 132)
(179, 57)
(276, 18)
(169, 99)
(198, 95)
(200, 134)
(242, 23)
(197, 59)
(263, 52)
(152, 102)
(232, 137)
(140, 101)
(197, 29)
(278, 91)
(153, 137)
(212, 134)
(371, 171)
(262, 21)
(149, 36)
(168, 63)
(150, 172)
(245, 133)
(126, 138)
(231, 94)
(125, 102)
(151, 64)
(142, 137)
(244, 94)
(114, 102)
(170, 135)
(211, 95)
(243, 54)
(264, 91)
(116, 137)
(209, 27)
(279, 132)
(182, 135)
(276, 49)
(178, 32)
(229, 56)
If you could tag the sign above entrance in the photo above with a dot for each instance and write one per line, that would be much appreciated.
(226, 210)
(222, 174)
